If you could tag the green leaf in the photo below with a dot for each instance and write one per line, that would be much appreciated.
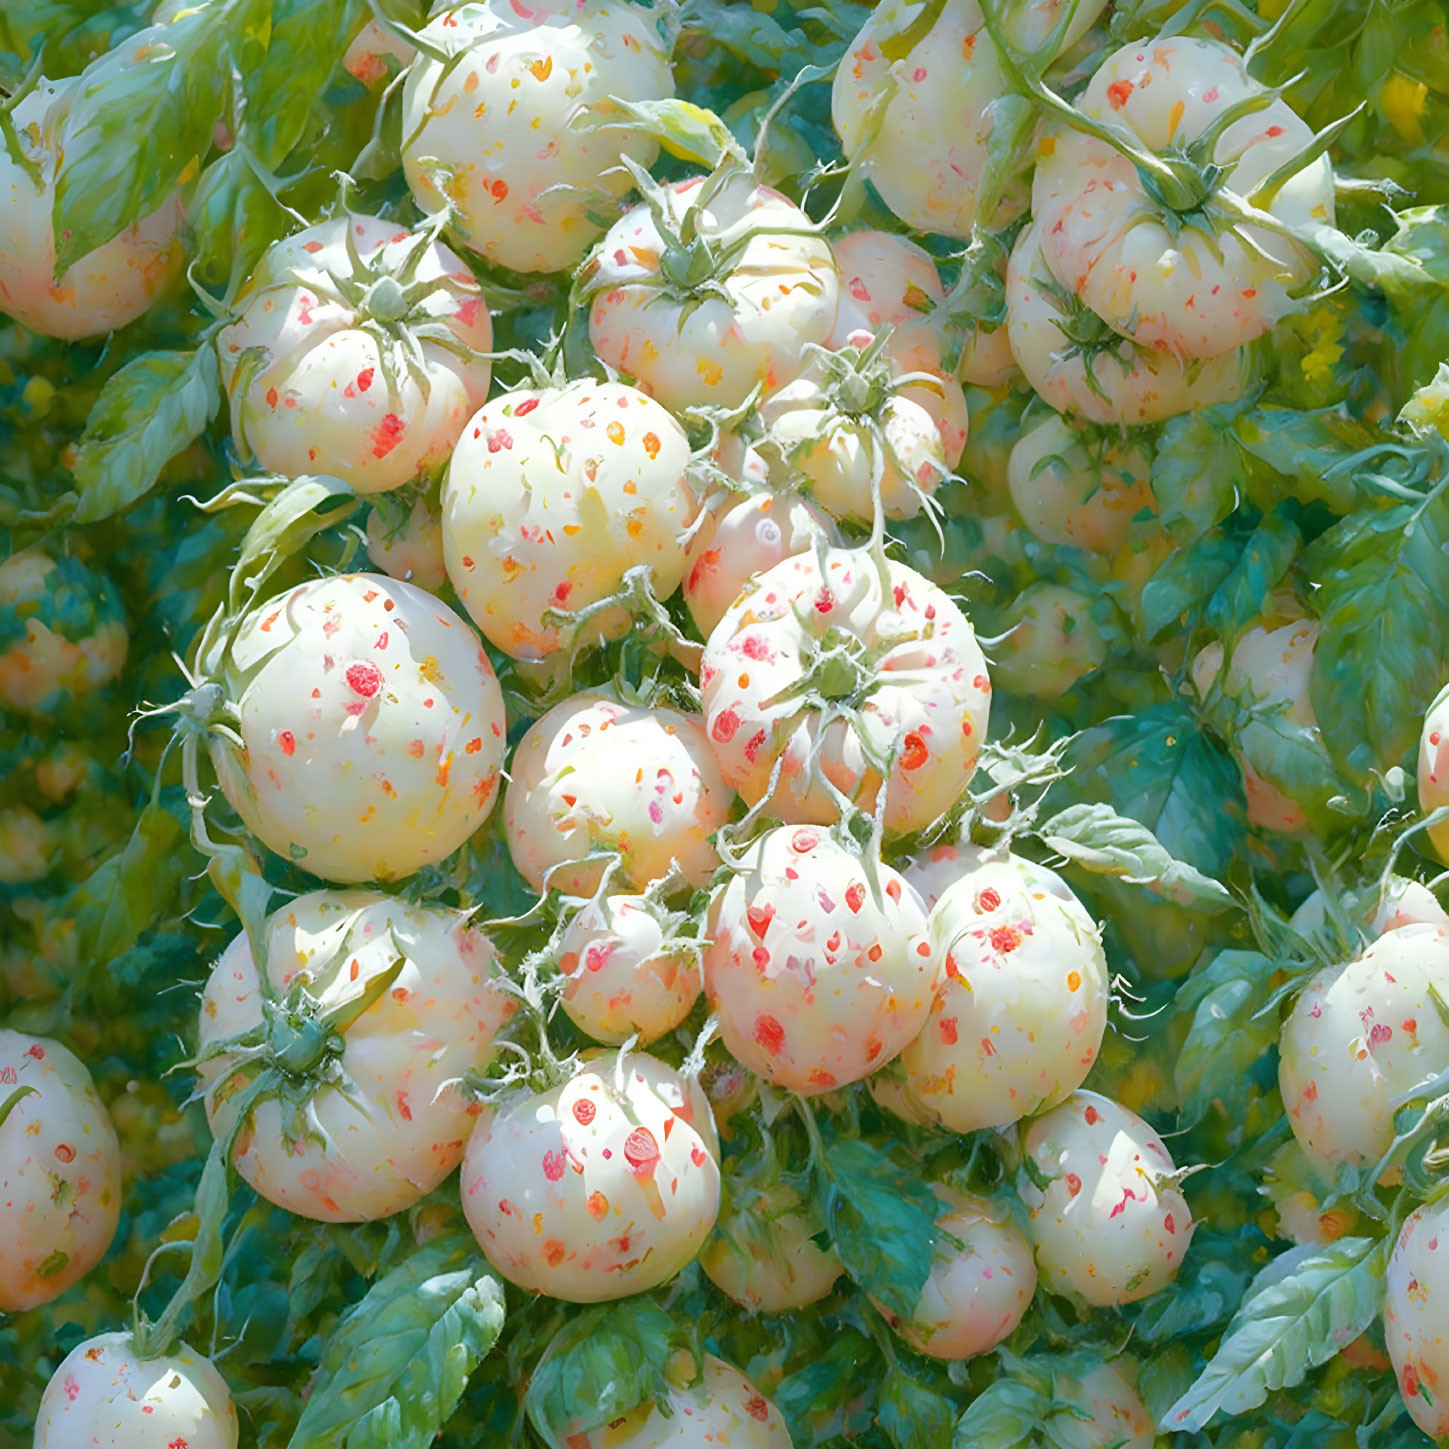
(881, 1219)
(1005, 1415)
(1176, 595)
(600, 1366)
(394, 1370)
(284, 525)
(1300, 1311)
(1303, 454)
(1157, 767)
(683, 129)
(156, 405)
(1381, 652)
(1196, 472)
(1264, 559)
(231, 220)
(1098, 839)
(821, 1391)
(914, 1415)
(140, 117)
(1225, 1040)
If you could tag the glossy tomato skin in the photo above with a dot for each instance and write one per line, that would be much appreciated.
(318, 383)
(383, 692)
(1413, 1323)
(390, 1128)
(820, 975)
(104, 1394)
(60, 1172)
(763, 1254)
(1433, 771)
(605, 1185)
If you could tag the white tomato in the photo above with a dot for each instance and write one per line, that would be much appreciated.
(817, 637)
(820, 975)
(383, 1127)
(981, 1283)
(409, 548)
(104, 289)
(1020, 1012)
(552, 495)
(104, 1393)
(1106, 1394)
(359, 352)
(1130, 259)
(60, 1171)
(1359, 1038)
(1413, 1315)
(626, 972)
(1110, 1226)
(605, 1185)
(595, 775)
(1053, 641)
(498, 131)
(934, 869)
(1433, 773)
(705, 319)
(372, 728)
(763, 1252)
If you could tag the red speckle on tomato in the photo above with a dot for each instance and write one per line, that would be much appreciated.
(1005, 939)
(403, 1109)
(271, 397)
(525, 407)
(759, 918)
(725, 725)
(804, 841)
(1170, 1223)
(824, 601)
(948, 1031)
(364, 679)
(769, 1034)
(364, 379)
(1074, 1184)
(64, 1152)
(1380, 1033)
(37, 1051)
(988, 900)
(499, 190)
(855, 896)
(1092, 1115)
(584, 1111)
(1119, 93)
(553, 1165)
(287, 742)
(757, 1408)
(641, 1151)
(914, 753)
(387, 435)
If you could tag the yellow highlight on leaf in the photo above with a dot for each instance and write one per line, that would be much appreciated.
(1403, 101)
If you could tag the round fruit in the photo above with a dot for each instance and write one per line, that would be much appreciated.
(372, 728)
(817, 961)
(381, 1127)
(1433, 770)
(1106, 1393)
(595, 775)
(1361, 1037)
(1053, 642)
(1413, 1321)
(409, 548)
(819, 673)
(60, 1172)
(552, 495)
(936, 868)
(603, 1186)
(1110, 1226)
(763, 1253)
(105, 1394)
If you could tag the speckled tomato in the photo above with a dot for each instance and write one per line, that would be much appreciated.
(596, 775)
(1053, 641)
(724, 1408)
(627, 972)
(1433, 770)
(1106, 1392)
(552, 495)
(921, 124)
(744, 535)
(1403, 902)
(1359, 1038)
(1105, 240)
(60, 1172)
(981, 1283)
(820, 974)
(377, 54)
(905, 664)
(409, 548)
(763, 1253)
(62, 630)
(372, 728)
(888, 281)
(382, 1127)
(499, 132)
(603, 1186)
(1418, 1278)
(1020, 1012)
(108, 287)
(358, 352)
(657, 313)
(104, 1393)
(1110, 1226)
(934, 869)
(1078, 364)
(1078, 489)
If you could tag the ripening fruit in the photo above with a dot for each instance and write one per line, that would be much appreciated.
(411, 549)
(763, 1252)
(499, 131)
(1116, 1417)
(104, 1393)
(1404, 902)
(359, 352)
(723, 1409)
(372, 726)
(704, 322)
(936, 868)
(595, 775)
(102, 290)
(626, 973)
(64, 631)
(60, 1172)
(605, 1185)
(1053, 641)
(816, 635)
(1418, 1278)
(552, 495)
(383, 1126)
(1020, 1012)
(817, 961)
(1110, 1226)
(1434, 771)
(1360, 1037)
(981, 1283)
